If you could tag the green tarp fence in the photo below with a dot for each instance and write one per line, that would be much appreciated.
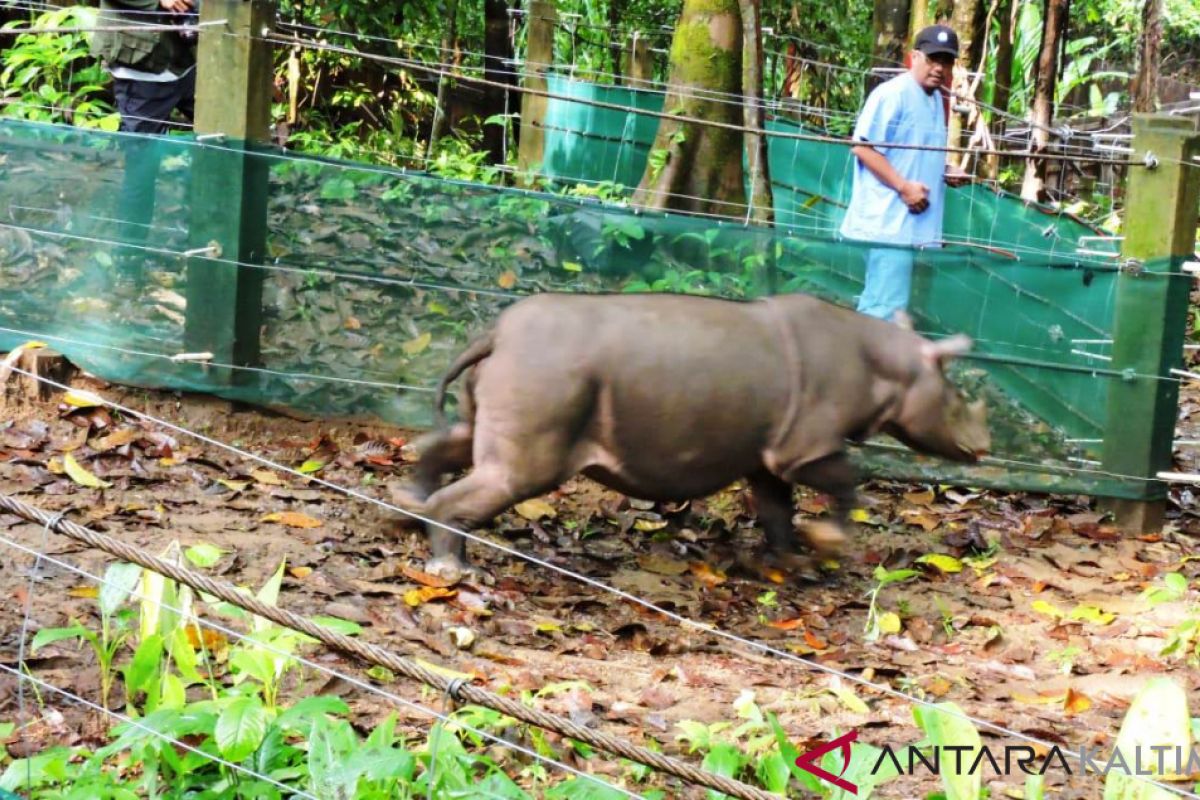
(375, 278)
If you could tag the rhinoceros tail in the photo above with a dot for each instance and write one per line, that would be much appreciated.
(477, 351)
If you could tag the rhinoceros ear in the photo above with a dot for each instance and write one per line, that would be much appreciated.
(945, 349)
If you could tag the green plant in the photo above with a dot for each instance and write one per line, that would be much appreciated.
(1185, 637)
(456, 161)
(115, 629)
(51, 77)
(1065, 658)
(877, 622)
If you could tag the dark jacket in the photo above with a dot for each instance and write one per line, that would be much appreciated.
(149, 51)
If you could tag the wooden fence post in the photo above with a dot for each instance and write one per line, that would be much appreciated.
(539, 56)
(229, 184)
(1150, 315)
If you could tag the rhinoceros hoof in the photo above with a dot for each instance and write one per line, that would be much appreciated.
(825, 538)
(455, 570)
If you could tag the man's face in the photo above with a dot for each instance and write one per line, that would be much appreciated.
(932, 71)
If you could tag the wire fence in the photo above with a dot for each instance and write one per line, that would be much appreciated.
(230, 595)
(703, 627)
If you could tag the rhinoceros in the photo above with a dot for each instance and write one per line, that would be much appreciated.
(671, 397)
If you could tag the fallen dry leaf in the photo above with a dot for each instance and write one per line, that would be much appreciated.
(416, 597)
(786, 624)
(293, 519)
(535, 509)
(663, 565)
(266, 476)
(115, 439)
(424, 578)
(706, 574)
(920, 498)
(1076, 702)
(417, 345)
(81, 475)
(814, 641)
(207, 638)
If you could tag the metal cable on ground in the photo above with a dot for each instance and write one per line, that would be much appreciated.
(753, 644)
(376, 655)
(344, 677)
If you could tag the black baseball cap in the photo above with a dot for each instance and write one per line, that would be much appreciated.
(937, 39)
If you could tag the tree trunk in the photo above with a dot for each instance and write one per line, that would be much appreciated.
(1043, 97)
(616, 45)
(1002, 80)
(1145, 82)
(497, 50)
(449, 44)
(966, 21)
(762, 202)
(698, 167)
(1004, 53)
(889, 24)
(918, 17)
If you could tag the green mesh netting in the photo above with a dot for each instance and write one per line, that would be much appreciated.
(376, 278)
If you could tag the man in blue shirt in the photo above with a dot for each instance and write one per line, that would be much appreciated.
(898, 193)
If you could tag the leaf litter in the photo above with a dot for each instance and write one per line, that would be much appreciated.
(1030, 616)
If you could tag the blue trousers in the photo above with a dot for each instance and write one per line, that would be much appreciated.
(889, 281)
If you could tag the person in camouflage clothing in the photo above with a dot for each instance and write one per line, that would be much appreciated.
(154, 74)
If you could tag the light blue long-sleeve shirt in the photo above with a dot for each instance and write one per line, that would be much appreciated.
(899, 111)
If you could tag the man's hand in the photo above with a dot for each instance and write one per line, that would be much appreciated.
(176, 6)
(956, 176)
(915, 195)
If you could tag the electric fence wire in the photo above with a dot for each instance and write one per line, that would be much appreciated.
(704, 628)
(234, 635)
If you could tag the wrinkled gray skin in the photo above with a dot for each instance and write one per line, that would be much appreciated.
(671, 397)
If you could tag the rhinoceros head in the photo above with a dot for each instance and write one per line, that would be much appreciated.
(934, 417)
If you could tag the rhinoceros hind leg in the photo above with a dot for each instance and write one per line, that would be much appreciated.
(473, 501)
(441, 453)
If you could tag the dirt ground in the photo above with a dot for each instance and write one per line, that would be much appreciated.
(978, 637)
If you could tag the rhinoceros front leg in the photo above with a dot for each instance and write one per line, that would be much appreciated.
(836, 476)
(773, 500)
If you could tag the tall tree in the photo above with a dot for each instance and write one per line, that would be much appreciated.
(449, 47)
(967, 22)
(889, 26)
(694, 167)
(754, 114)
(1004, 53)
(918, 17)
(616, 10)
(1053, 24)
(497, 66)
(1145, 82)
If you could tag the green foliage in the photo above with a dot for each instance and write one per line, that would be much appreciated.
(51, 77)
(875, 623)
(169, 751)
(115, 625)
(1184, 639)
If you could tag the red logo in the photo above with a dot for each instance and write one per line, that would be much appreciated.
(808, 761)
